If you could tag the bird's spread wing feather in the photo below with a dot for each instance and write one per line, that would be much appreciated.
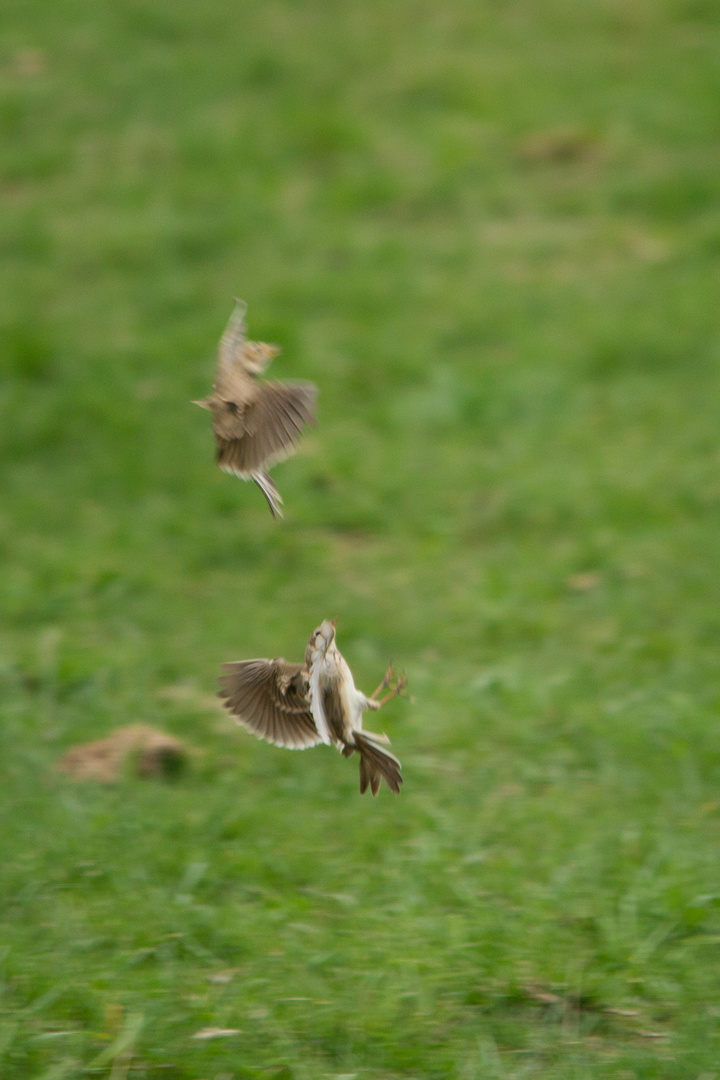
(233, 340)
(270, 698)
(266, 428)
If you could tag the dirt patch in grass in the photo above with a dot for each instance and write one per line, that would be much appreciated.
(136, 748)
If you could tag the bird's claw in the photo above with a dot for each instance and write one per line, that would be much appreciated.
(397, 685)
(389, 676)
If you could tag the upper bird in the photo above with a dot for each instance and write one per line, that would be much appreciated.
(301, 705)
(255, 424)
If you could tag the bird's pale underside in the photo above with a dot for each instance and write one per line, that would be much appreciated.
(301, 705)
(256, 424)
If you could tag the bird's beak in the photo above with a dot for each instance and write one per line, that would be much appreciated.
(202, 404)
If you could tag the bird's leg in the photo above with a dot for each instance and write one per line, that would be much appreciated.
(398, 688)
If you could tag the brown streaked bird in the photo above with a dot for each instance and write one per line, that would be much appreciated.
(301, 705)
(256, 424)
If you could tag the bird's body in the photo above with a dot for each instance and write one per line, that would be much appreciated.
(337, 705)
(256, 424)
(301, 705)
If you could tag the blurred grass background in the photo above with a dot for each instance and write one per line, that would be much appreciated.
(490, 232)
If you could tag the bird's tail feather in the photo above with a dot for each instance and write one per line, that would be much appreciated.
(376, 763)
(270, 492)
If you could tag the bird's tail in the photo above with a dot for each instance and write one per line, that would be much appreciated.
(376, 763)
(270, 492)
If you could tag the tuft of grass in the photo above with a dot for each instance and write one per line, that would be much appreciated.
(489, 232)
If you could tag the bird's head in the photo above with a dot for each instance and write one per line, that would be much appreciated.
(256, 356)
(322, 638)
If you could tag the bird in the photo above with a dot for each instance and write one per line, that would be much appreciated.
(256, 424)
(302, 705)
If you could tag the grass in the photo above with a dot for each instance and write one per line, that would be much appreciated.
(490, 233)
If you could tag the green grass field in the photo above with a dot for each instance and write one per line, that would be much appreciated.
(490, 232)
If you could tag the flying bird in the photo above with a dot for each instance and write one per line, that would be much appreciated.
(301, 705)
(256, 424)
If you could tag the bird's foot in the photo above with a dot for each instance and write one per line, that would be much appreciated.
(389, 676)
(397, 684)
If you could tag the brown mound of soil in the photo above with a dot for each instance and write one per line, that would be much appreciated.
(558, 147)
(136, 748)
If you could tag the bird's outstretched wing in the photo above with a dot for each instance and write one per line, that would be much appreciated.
(270, 698)
(264, 430)
(233, 340)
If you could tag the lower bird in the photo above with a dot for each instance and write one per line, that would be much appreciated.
(301, 705)
(255, 424)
